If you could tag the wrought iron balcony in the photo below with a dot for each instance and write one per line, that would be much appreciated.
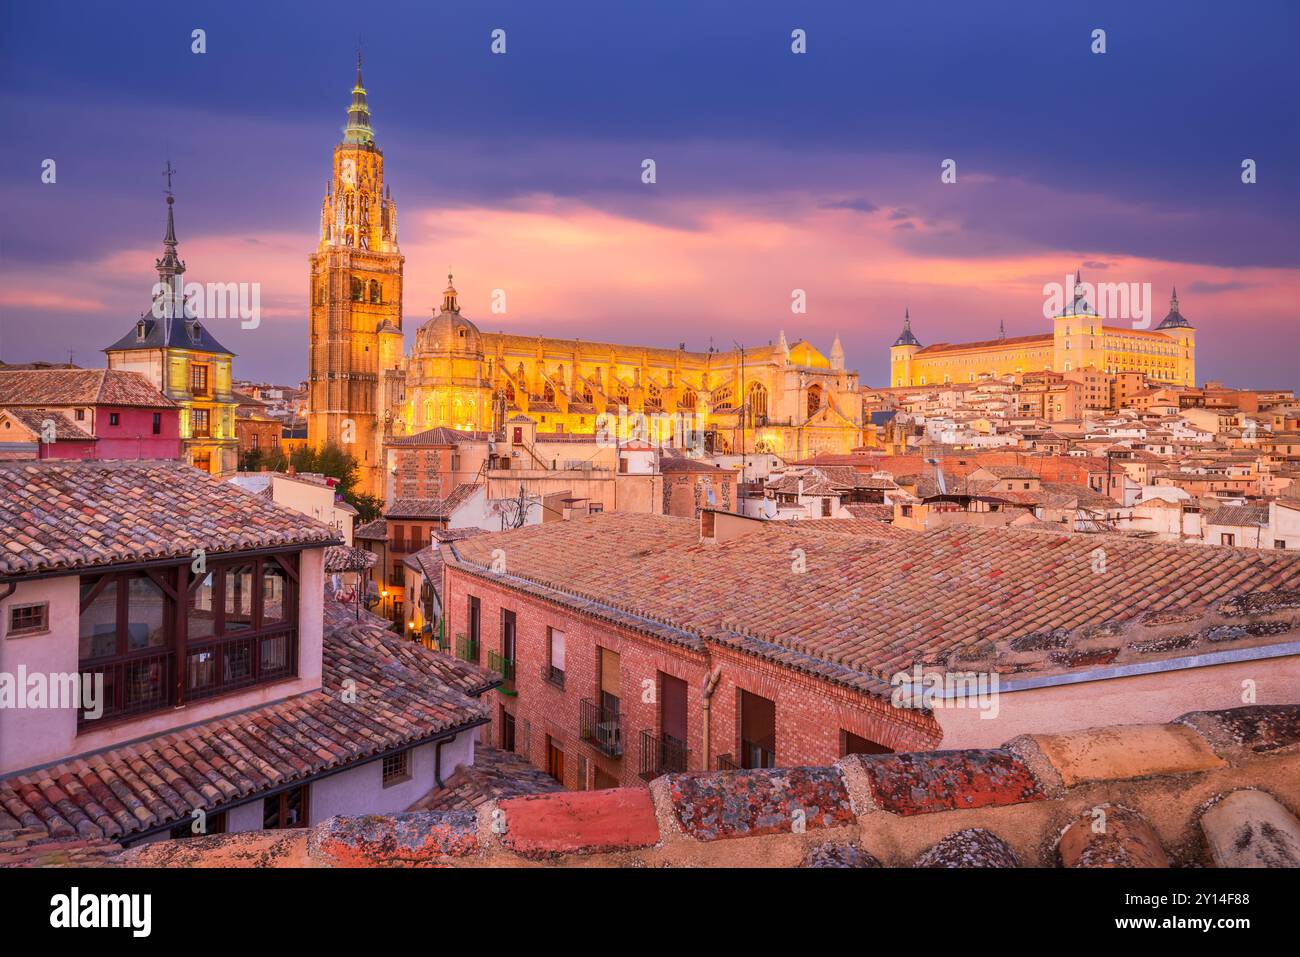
(467, 649)
(505, 667)
(662, 755)
(601, 728)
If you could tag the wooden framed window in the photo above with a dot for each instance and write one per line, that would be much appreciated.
(286, 809)
(757, 731)
(554, 759)
(200, 423)
(213, 824)
(114, 418)
(198, 378)
(555, 662)
(157, 423)
(396, 768)
(851, 743)
(163, 636)
(507, 730)
(241, 619)
(31, 619)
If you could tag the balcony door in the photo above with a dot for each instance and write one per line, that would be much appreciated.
(672, 723)
(757, 731)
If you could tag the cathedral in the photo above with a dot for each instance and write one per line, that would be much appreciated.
(1079, 340)
(363, 389)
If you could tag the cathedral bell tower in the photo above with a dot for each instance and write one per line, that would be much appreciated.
(355, 299)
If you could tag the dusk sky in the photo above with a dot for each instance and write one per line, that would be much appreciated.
(775, 171)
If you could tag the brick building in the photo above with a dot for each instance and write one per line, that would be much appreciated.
(623, 636)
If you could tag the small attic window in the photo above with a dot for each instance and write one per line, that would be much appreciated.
(196, 331)
(140, 330)
(462, 333)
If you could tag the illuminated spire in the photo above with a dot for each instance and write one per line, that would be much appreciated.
(358, 129)
(906, 338)
(450, 301)
(170, 265)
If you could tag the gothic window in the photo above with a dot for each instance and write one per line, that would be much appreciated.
(686, 401)
(347, 209)
(815, 399)
(356, 289)
(374, 290)
(548, 391)
(757, 402)
(654, 398)
(510, 392)
(722, 396)
(621, 393)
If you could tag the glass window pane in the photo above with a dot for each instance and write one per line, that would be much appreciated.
(274, 593)
(203, 611)
(202, 671)
(557, 650)
(99, 623)
(239, 598)
(146, 614)
(239, 661)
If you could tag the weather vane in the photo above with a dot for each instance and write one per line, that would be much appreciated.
(168, 173)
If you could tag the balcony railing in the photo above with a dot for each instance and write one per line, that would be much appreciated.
(133, 685)
(662, 755)
(238, 661)
(601, 728)
(467, 649)
(141, 683)
(727, 762)
(505, 667)
(553, 675)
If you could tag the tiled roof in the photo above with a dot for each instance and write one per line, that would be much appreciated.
(494, 775)
(80, 387)
(440, 436)
(431, 508)
(1250, 516)
(1209, 789)
(860, 527)
(190, 334)
(464, 676)
(62, 515)
(1007, 599)
(65, 430)
(376, 529)
(139, 786)
(680, 463)
(341, 558)
(869, 510)
(1044, 339)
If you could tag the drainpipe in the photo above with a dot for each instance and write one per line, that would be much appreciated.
(437, 762)
(706, 698)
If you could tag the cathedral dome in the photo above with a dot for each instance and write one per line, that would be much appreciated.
(449, 331)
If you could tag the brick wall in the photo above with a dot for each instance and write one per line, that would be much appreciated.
(810, 713)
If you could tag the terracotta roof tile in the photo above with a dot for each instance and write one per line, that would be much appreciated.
(80, 387)
(859, 614)
(63, 515)
(136, 787)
